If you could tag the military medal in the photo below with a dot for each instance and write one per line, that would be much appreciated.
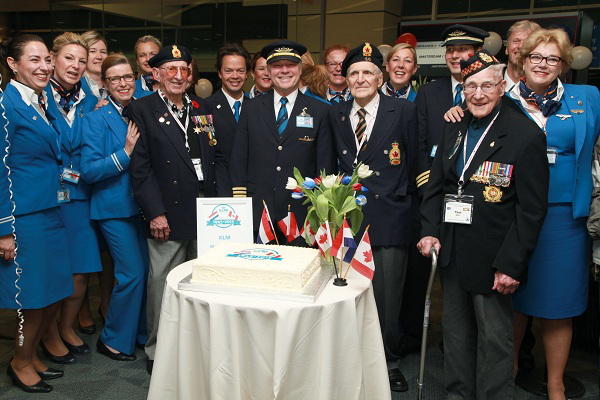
(395, 154)
(492, 194)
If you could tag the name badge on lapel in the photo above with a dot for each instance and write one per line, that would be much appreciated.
(304, 120)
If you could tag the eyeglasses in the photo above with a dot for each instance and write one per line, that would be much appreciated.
(333, 64)
(115, 80)
(172, 71)
(485, 87)
(536, 58)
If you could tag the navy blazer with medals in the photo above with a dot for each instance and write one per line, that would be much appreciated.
(262, 160)
(225, 123)
(502, 234)
(70, 137)
(105, 164)
(162, 174)
(32, 158)
(391, 187)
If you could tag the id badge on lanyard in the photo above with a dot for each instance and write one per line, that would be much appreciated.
(458, 209)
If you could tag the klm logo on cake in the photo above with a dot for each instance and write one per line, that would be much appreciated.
(223, 216)
(257, 254)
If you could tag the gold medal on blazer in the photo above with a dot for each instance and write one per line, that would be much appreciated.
(492, 194)
(395, 154)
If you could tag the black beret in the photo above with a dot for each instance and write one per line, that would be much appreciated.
(170, 53)
(463, 34)
(283, 50)
(364, 52)
(477, 63)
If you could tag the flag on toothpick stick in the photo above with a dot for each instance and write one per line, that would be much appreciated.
(289, 226)
(344, 245)
(324, 237)
(265, 230)
(363, 257)
(308, 234)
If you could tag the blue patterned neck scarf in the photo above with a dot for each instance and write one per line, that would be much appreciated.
(401, 93)
(546, 103)
(149, 81)
(67, 97)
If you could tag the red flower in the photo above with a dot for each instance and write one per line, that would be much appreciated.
(298, 189)
(195, 104)
(357, 187)
(318, 180)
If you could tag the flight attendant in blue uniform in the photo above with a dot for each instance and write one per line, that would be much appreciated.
(557, 283)
(145, 48)
(30, 216)
(401, 65)
(108, 139)
(67, 105)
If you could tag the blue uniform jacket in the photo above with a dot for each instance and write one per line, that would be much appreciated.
(32, 159)
(105, 165)
(70, 138)
(582, 103)
(139, 90)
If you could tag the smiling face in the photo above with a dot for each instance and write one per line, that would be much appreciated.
(233, 75)
(285, 75)
(334, 69)
(69, 64)
(121, 91)
(261, 75)
(96, 55)
(143, 52)
(34, 67)
(364, 79)
(401, 67)
(540, 76)
(513, 44)
(480, 103)
(453, 56)
(172, 86)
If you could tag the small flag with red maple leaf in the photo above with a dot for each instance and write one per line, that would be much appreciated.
(363, 258)
(324, 237)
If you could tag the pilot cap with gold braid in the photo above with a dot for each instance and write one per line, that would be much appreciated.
(283, 50)
(170, 53)
(458, 34)
(364, 52)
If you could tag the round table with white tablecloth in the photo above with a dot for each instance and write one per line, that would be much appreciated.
(222, 346)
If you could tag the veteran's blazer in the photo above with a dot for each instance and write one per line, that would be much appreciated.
(162, 174)
(391, 187)
(262, 160)
(502, 234)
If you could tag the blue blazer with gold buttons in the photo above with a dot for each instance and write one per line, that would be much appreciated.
(105, 165)
(32, 158)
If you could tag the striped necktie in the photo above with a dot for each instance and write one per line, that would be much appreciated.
(236, 110)
(282, 118)
(361, 128)
(458, 97)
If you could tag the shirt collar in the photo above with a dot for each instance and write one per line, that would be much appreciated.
(485, 121)
(369, 108)
(231, 100)
(291, 97)
(454, 83)
(27, 94)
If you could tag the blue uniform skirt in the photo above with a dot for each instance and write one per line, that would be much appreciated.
(43, 256)
(557, 283)
(82, 237)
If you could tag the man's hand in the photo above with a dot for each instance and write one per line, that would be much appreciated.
(504, 284)
(426, 243)
(159, 228)
(7, 247)
(454, 114)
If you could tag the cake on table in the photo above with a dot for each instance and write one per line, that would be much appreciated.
(257, 267)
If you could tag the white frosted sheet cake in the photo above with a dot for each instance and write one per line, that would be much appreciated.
(256, 266)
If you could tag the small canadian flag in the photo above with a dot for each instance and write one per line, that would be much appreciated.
(324, 237)
(363, 258)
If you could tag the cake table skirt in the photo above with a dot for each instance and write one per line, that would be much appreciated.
(216, 346)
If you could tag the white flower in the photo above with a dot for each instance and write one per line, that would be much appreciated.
(329, 181)
(364, 171)
(291, 184)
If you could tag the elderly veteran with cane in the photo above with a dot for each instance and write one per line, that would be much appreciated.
(482, 210)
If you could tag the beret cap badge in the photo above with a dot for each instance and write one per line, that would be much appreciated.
(176, 52)
(367, 50)
(485, 57)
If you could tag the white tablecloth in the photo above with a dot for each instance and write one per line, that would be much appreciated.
(216, 346)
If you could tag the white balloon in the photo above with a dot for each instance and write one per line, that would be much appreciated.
(384, 49)
(493, 43)
(582, 57)
(203, 88)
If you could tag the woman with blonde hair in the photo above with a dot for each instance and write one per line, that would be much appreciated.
(96, 54)
(401, 65)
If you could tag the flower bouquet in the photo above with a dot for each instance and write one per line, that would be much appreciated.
(332, 199)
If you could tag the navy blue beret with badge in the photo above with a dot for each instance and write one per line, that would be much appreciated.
(458, 34)
(476, 63)
(364, 52)
(170, 53)
(283, 50)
